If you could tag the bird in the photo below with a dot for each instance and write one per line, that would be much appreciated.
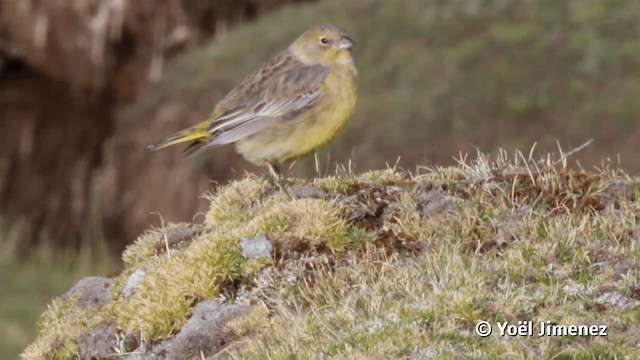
(290, 106)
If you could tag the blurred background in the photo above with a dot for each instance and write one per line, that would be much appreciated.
(86, 85)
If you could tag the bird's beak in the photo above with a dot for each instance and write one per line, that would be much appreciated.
(346, 43)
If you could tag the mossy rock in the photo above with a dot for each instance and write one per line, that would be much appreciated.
(384, 263)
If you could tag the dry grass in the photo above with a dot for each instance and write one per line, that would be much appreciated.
(392, 265)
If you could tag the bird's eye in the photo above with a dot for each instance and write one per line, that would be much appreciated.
(324, 40)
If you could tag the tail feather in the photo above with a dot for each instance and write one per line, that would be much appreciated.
(195, 147)
(180, 137)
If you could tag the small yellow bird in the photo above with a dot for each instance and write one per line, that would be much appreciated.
(292, 105)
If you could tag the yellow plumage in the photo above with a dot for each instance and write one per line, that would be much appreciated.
(293, 104)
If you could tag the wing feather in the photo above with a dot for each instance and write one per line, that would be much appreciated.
(285, 94)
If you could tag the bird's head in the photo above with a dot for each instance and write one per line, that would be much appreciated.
(324, 44)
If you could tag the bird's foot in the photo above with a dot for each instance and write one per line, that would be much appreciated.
(277, 180)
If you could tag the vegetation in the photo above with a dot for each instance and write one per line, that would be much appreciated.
(390, 263)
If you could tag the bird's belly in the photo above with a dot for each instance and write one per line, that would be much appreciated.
(292, 139)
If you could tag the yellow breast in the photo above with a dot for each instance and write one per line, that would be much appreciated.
(315, 128)
(333, 112)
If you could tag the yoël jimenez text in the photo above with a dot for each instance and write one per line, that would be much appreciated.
(547, 328)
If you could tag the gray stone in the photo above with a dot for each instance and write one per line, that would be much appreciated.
(93, 292)
(256, 247)
(132, 282)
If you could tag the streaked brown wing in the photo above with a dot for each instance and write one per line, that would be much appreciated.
(283, 96)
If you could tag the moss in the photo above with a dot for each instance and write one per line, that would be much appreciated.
(382, 177)
(174, 282)
(238, 201)
(333, 183)
(58, 329)
(310, 221)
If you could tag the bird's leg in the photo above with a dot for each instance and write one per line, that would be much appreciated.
(274, 170)
(276, 179)
(273, 174)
